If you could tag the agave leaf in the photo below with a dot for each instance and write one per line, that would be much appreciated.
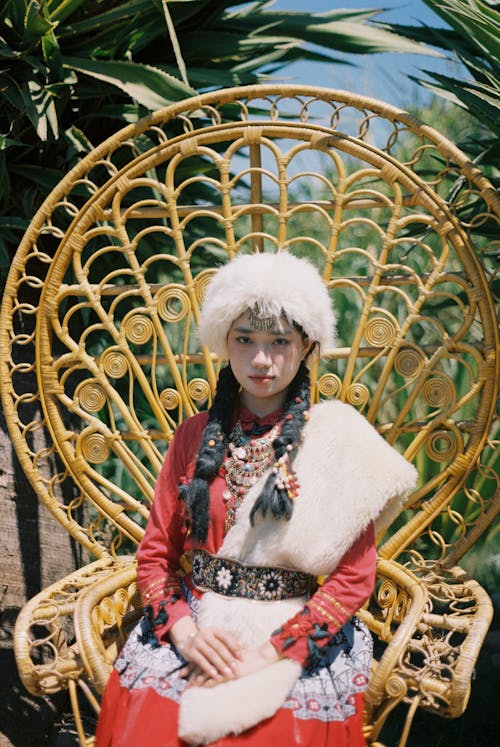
(175, 42)
(14, 95)
(331, 30)
(260, 51)
(181, 11)
(46, 115)
(339, 14)
(52, 55)
(108, 19)
(14, 11)
(32, 101)
(481, 100)
(35, 24)
(255, 60)
(12, 221)
(6, 51)
(126, 112)
(199, 13)
(212, 45)
(78, 139)
(41, 176)
(8, 142)
(148, 85)
(219, 77)
(346, 37)
(299, 53)
(219, 48)
(473, 20)
(59, 10)
(118, 42)
(474, 40)
(145, 35)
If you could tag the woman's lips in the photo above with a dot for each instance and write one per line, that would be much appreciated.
(261, 379)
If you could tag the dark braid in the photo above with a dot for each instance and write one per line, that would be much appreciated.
(298, 402)
(213, 447)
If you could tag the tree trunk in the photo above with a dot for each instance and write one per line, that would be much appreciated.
(35, 551)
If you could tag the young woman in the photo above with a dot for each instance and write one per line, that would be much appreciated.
(266, 494)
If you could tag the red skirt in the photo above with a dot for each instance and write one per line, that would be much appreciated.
(140, 706)
(143, 718)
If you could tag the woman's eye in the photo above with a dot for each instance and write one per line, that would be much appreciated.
(280, 341)
(243, 339)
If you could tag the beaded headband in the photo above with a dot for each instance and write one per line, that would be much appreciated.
(261, 321)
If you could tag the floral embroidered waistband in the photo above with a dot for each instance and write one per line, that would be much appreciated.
(234, 579)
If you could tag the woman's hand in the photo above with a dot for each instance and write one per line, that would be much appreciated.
(211, 653)
(254, 659)
(251, 660)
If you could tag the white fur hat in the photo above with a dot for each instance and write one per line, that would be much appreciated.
(274, 284)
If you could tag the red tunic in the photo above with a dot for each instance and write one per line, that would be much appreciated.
(130, 717)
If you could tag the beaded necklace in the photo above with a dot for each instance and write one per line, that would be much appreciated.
(247, 460)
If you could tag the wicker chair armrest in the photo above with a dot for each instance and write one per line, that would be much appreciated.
(103, 617)
(449, 638)
(46, 651)
(433, 621)
(400, 601)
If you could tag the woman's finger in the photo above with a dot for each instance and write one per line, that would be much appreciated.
(187, 671)
(209, 660)
(210, 649)
(215, 652)
(201, 679)
(230, 641)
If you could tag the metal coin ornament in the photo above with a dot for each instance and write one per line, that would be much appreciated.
(261, 321)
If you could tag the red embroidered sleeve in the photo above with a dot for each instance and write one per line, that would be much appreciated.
(160, 550)
(333, 604)
(164, 604)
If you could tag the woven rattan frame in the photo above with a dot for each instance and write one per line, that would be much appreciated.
(101, 306)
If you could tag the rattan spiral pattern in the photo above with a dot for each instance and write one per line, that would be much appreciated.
(409, 362)
(94, 447)
(173, 304)
(358, 395)
(114, 364)
(329, 385)
(380, 332)
(138, 329)
(438, 391)
(170, 399)
(199, 389)
(91, 396)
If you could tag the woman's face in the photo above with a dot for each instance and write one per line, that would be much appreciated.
(265, 362)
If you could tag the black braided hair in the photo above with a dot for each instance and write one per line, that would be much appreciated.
(298, 402)
(213, 448)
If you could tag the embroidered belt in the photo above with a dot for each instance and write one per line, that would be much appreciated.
(234, 579)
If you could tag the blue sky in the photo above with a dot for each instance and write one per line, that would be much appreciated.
(382, 76)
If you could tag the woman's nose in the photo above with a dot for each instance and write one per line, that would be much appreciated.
(261, 359)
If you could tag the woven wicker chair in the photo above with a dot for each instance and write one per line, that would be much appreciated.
(102, 302)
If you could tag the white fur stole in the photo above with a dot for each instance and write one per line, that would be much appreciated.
(348, 476)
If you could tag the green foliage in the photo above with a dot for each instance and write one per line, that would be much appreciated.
(472, 44)
(472, 38)
(72, 72)
(482, 562)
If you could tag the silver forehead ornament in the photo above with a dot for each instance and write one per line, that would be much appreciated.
(260, 321)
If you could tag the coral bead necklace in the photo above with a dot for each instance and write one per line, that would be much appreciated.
(247, 460)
